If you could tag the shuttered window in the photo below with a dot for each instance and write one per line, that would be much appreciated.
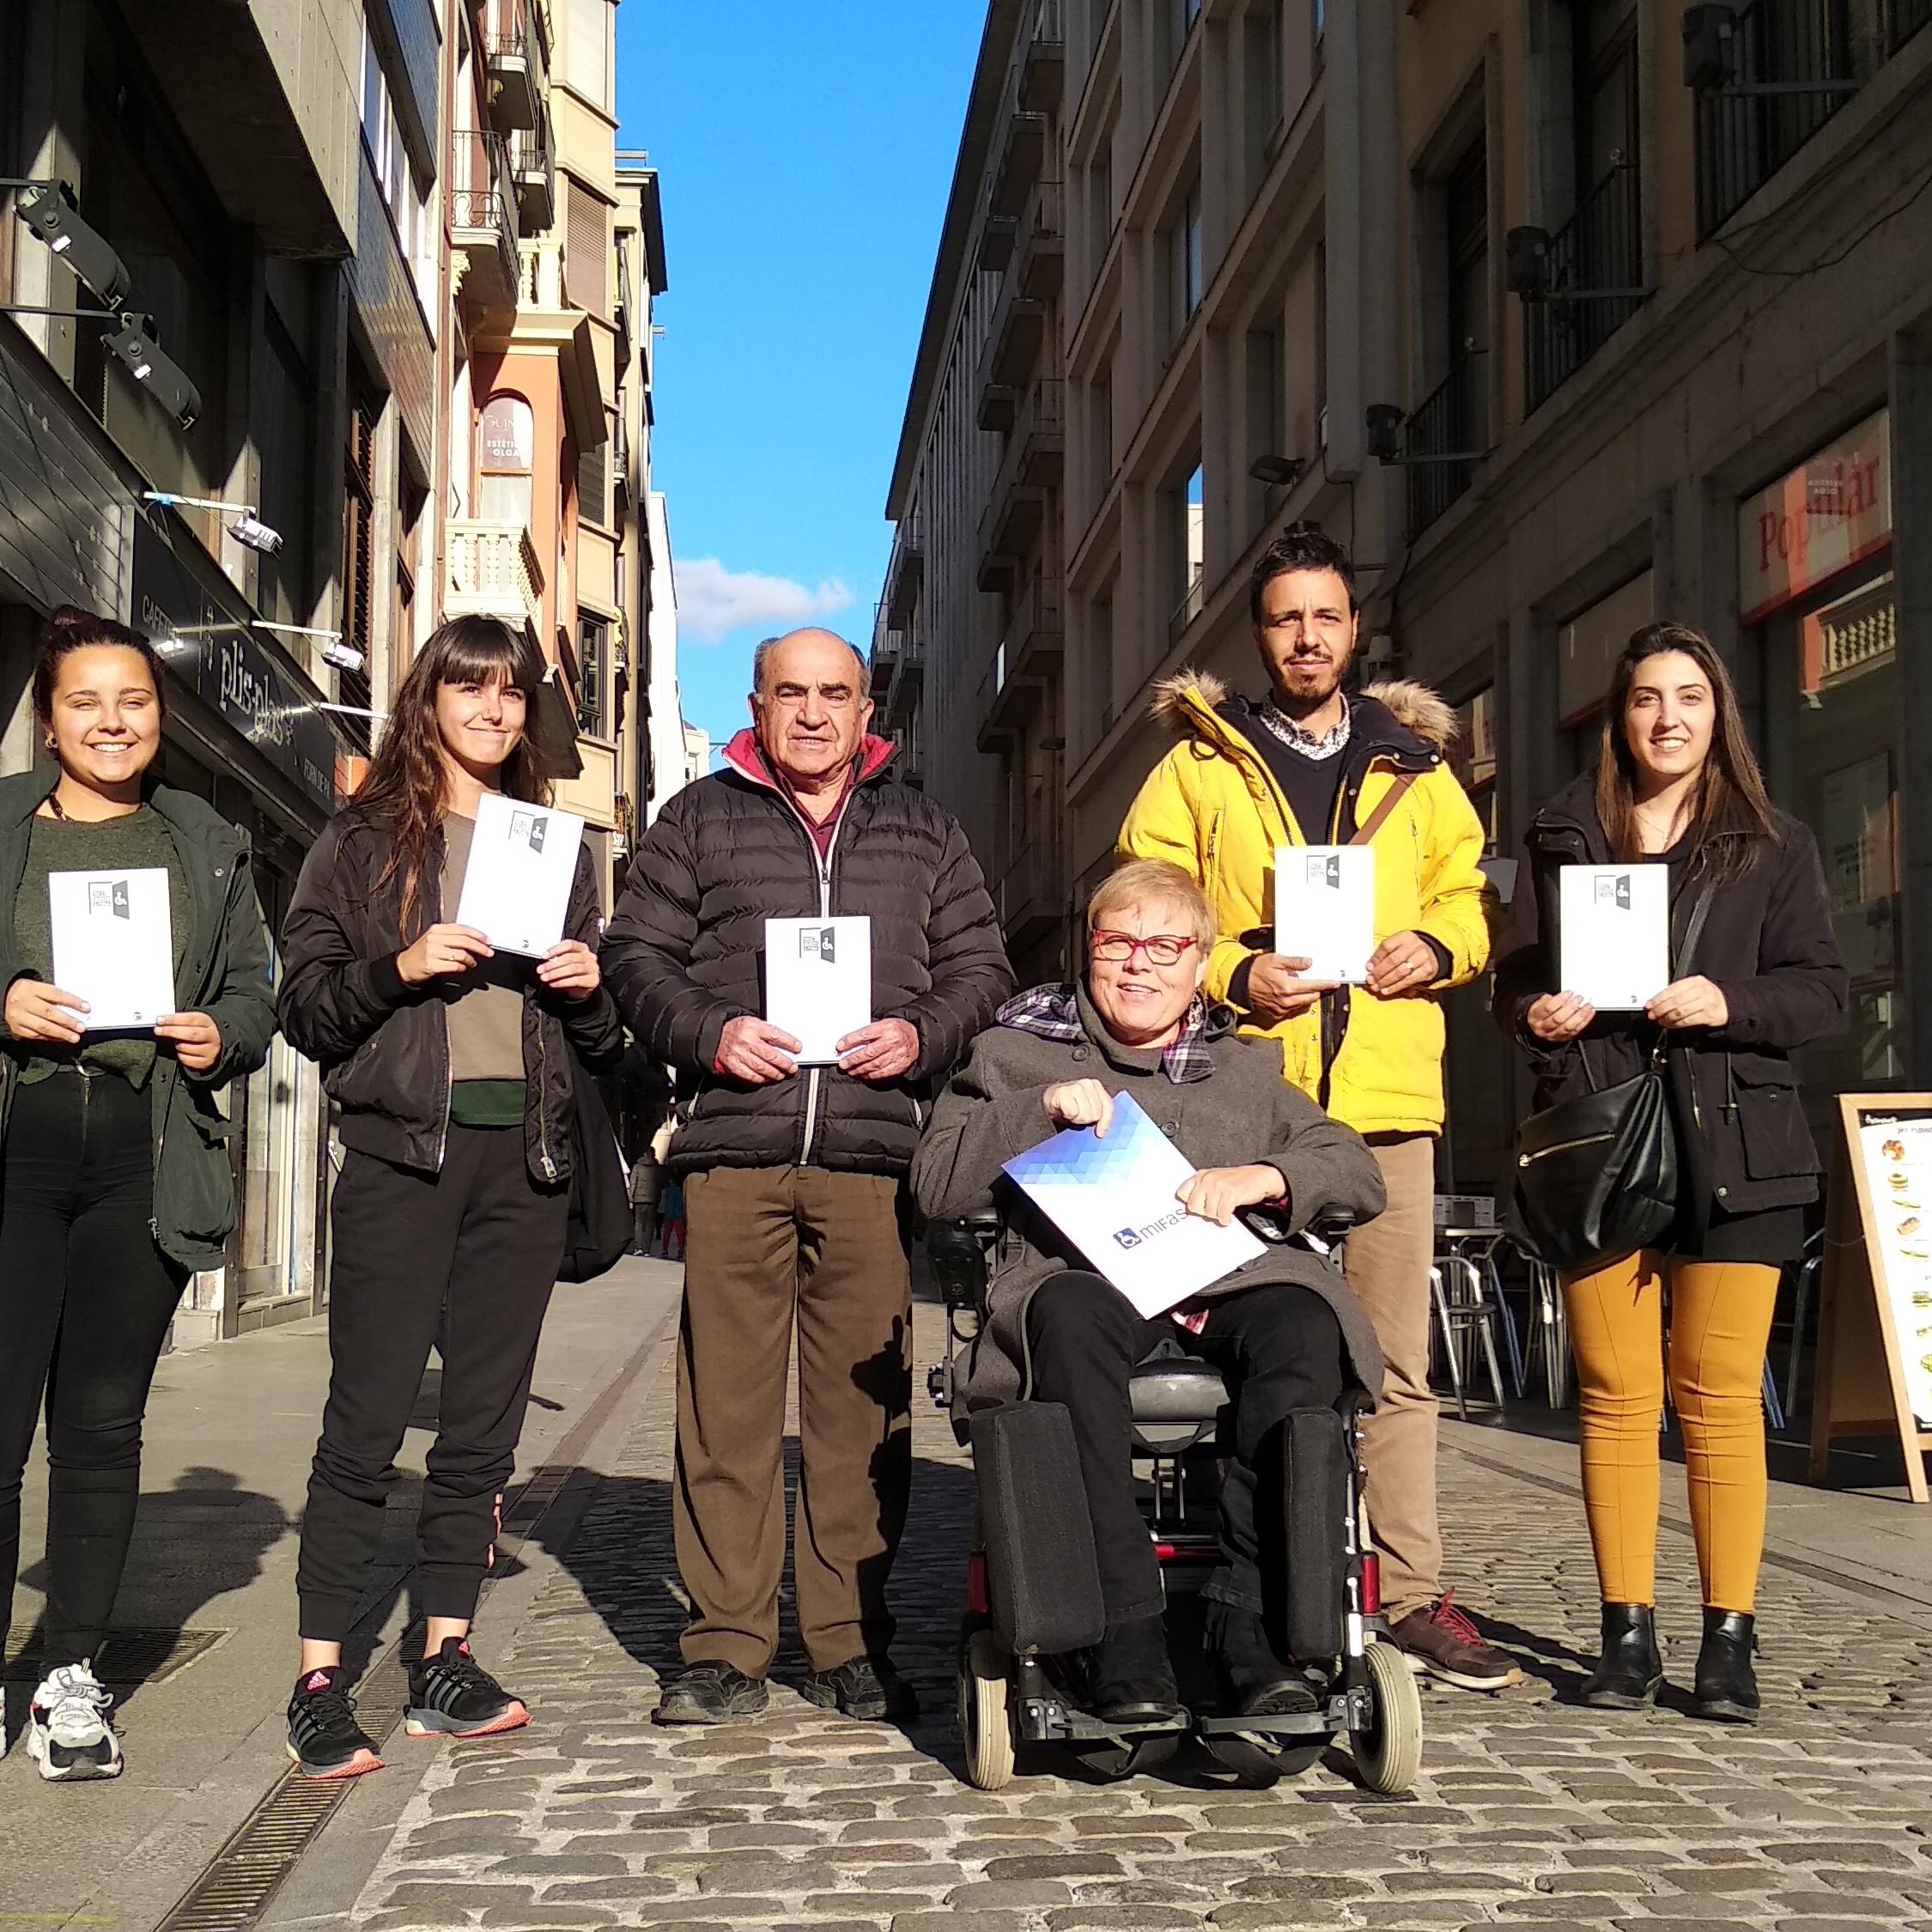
(587, 252)
(358, 564)
(593, 485)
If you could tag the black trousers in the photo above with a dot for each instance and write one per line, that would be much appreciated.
(86, 1298)
(1278, 1348)
(464, 1260)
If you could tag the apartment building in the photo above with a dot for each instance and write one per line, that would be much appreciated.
(1668, 352)
(1165, 292)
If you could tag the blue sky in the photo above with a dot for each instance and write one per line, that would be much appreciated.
(804, 154)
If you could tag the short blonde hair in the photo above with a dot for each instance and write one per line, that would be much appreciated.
(1154, 882)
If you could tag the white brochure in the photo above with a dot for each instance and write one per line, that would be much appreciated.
(1117, 1200)
(1325, 908)
(818, 982)
(516, 888)
(1614, 924)
(114, 945)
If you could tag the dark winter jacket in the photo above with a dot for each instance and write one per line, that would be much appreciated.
(1767, 942)
(685, 952)
(384, 1045)
(225, 974)
(1242, 1113)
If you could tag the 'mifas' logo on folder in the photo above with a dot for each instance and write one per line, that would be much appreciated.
(527, 827)
(1614, 891)
(108, 895)
(1326, 870)
(820, 943)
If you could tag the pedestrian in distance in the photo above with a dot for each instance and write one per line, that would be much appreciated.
(1676, 784)
(1310, 764)
(115, 1184)
(792, 1174)
(672, 1206)
(452, 1067)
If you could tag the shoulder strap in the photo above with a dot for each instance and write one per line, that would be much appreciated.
(1694, 929)
(1379, 817)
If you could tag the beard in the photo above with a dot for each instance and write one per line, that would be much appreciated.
(1312, 686)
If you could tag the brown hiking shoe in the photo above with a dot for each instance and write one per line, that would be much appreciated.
(1442, 1642)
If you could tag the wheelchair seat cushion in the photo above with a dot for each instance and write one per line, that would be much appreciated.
(1175, 1390)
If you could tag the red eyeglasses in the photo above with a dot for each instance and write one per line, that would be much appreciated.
(1163, 949)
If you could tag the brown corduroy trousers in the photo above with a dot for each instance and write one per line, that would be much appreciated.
(769, 1247)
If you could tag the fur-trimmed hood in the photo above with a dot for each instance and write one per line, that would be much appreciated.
(1413, 706)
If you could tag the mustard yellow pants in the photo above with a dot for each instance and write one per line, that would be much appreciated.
(1720, 1322)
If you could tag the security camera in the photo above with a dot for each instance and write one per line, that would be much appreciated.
(48, 208)
(249, 529)
(1283, 470)
(344, 657)
(1384, 420)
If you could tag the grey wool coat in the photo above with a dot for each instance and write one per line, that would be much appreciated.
(1243, 1113)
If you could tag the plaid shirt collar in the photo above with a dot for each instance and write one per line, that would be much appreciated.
(1054, 1012)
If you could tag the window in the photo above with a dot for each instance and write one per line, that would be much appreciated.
(593, 658)
(586, 249)
(1181, 17)
(1586, 649)
(587, 49)
(1188, 549)
(593, 485)
(1261, 86)
(1265, 433)
(1474, 759)
(359, 590)
(389, 161)
(506, 443)
(1185, 242)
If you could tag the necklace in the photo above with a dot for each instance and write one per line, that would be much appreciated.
(1317, 745)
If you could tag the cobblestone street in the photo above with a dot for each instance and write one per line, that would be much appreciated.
(1530, 1811)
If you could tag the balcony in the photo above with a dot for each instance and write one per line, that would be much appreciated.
(886, 646)
(1022, 149)
(533, 165)
(997, 236)
(1766, 78)
(1034, 892)
(493, 573)
(1035, 632)
(517, 59)
(905, 575)
(482, 227)
(1042, 76)
(1448, 437)
(1041, 241)
(1036, 448)
(908, 679)
(1019, 327)
(1592, 284)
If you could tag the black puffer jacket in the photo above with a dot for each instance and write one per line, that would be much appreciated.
(685, 951)
(384, 1045)
(1767, 942)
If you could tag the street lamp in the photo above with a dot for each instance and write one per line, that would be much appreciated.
(247, 527)
(138, 344)
(49, 207)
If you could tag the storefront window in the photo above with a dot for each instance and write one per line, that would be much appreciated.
(1474, 759)
(507, 441)
(1588, 648)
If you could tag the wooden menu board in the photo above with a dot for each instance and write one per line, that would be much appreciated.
(1874, 1324)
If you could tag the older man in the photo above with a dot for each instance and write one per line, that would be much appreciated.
(793, 1173)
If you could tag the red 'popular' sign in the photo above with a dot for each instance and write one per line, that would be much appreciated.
(1829, 512)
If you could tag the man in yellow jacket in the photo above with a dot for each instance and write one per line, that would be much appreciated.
(1308, 765)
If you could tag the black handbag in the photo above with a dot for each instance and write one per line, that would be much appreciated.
(600, 1223)
(1597, 1176)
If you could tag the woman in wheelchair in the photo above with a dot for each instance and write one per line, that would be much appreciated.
(1283, 1329)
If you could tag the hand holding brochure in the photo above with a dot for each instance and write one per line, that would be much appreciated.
(523, 861)
(113, 946)
(818, 982)
(1325, 908)
(1117, 1200)
(1613, 923)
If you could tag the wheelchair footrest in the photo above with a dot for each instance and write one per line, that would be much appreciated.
(1333, 1717)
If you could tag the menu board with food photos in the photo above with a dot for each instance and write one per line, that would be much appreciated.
(1875, 1331)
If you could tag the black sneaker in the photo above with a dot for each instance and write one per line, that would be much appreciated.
(452, 1695)
(323, 1738)
(1259, 1684)
(867, 1687)
(1130, 1675)
(711, 1693)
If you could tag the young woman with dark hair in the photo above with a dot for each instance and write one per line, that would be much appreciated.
(1676, 784)
(453, 1068)
(114, 1179)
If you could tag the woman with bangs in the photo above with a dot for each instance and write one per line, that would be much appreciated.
(452, 1069)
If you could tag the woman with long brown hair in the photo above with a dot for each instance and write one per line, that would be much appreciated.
(1676, 784)
(453, 1068)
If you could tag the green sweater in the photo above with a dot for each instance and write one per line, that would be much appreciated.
(60, 845)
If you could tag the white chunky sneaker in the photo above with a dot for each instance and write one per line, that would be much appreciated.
(68, 1733)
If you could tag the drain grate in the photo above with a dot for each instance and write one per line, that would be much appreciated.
(129, 1658)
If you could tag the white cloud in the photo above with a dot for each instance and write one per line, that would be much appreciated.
(713, 601)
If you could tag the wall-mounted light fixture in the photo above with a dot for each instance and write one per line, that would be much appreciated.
(247, 528)
(1283, 472)
(138, 344)
(50, 210)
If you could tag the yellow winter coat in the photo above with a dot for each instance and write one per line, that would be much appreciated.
(1212, 808)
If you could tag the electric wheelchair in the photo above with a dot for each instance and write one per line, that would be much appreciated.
(1033, 1592)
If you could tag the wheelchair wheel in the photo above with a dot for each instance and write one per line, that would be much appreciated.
(1388, 1748)
(986, 1722)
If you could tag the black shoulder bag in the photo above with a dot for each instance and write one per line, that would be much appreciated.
(600, 1221)
(1597, 1176)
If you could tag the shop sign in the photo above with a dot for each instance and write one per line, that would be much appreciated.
(204, 640)
(1834, 510)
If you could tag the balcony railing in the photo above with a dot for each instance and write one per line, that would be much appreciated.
(493, 573)
(1034, 890)
(1036, 449)
(534, 166)
(904, 574)
(1907, 17)
(482, 223)
(1777, 71)
(1595, 270)
(519, 65)
(1448, 437)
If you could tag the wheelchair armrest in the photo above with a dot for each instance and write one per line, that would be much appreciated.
(958, 1250)
(1328, 1229)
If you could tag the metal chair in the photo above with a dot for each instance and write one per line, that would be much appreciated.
(1466, 1314)
(1549, 1334)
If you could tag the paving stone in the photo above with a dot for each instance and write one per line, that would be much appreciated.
(1123, 1918)
(741, 1875)
(1014, 1894)
(961, 1922)
(1071, 1865)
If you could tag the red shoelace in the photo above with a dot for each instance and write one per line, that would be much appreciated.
(1454, 1621)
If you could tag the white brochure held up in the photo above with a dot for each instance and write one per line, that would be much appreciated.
(1117, 1200)
(818, 982)
(1613, 925)
(114, 945)
(516, 888)
(1325, 908)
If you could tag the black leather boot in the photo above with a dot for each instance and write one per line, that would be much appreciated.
(1130, 1676)
(1628, 1673)
(1259, 1684)
(1726, 1686)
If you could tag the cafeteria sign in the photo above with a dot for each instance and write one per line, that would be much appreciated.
(1834, 510)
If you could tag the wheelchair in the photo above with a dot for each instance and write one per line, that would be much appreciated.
(1031, 1598)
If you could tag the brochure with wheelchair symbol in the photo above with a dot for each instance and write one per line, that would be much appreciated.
(818, 982)
(1324, 910)
(1613, 927)
(114, 945)
(1116, 1200)
(516, 887)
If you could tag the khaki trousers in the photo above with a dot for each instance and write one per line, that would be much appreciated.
(769, 1247)
(1387, 1263)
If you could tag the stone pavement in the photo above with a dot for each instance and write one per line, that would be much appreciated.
(1530, 1812)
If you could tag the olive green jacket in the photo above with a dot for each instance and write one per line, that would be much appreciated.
(224, 973)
